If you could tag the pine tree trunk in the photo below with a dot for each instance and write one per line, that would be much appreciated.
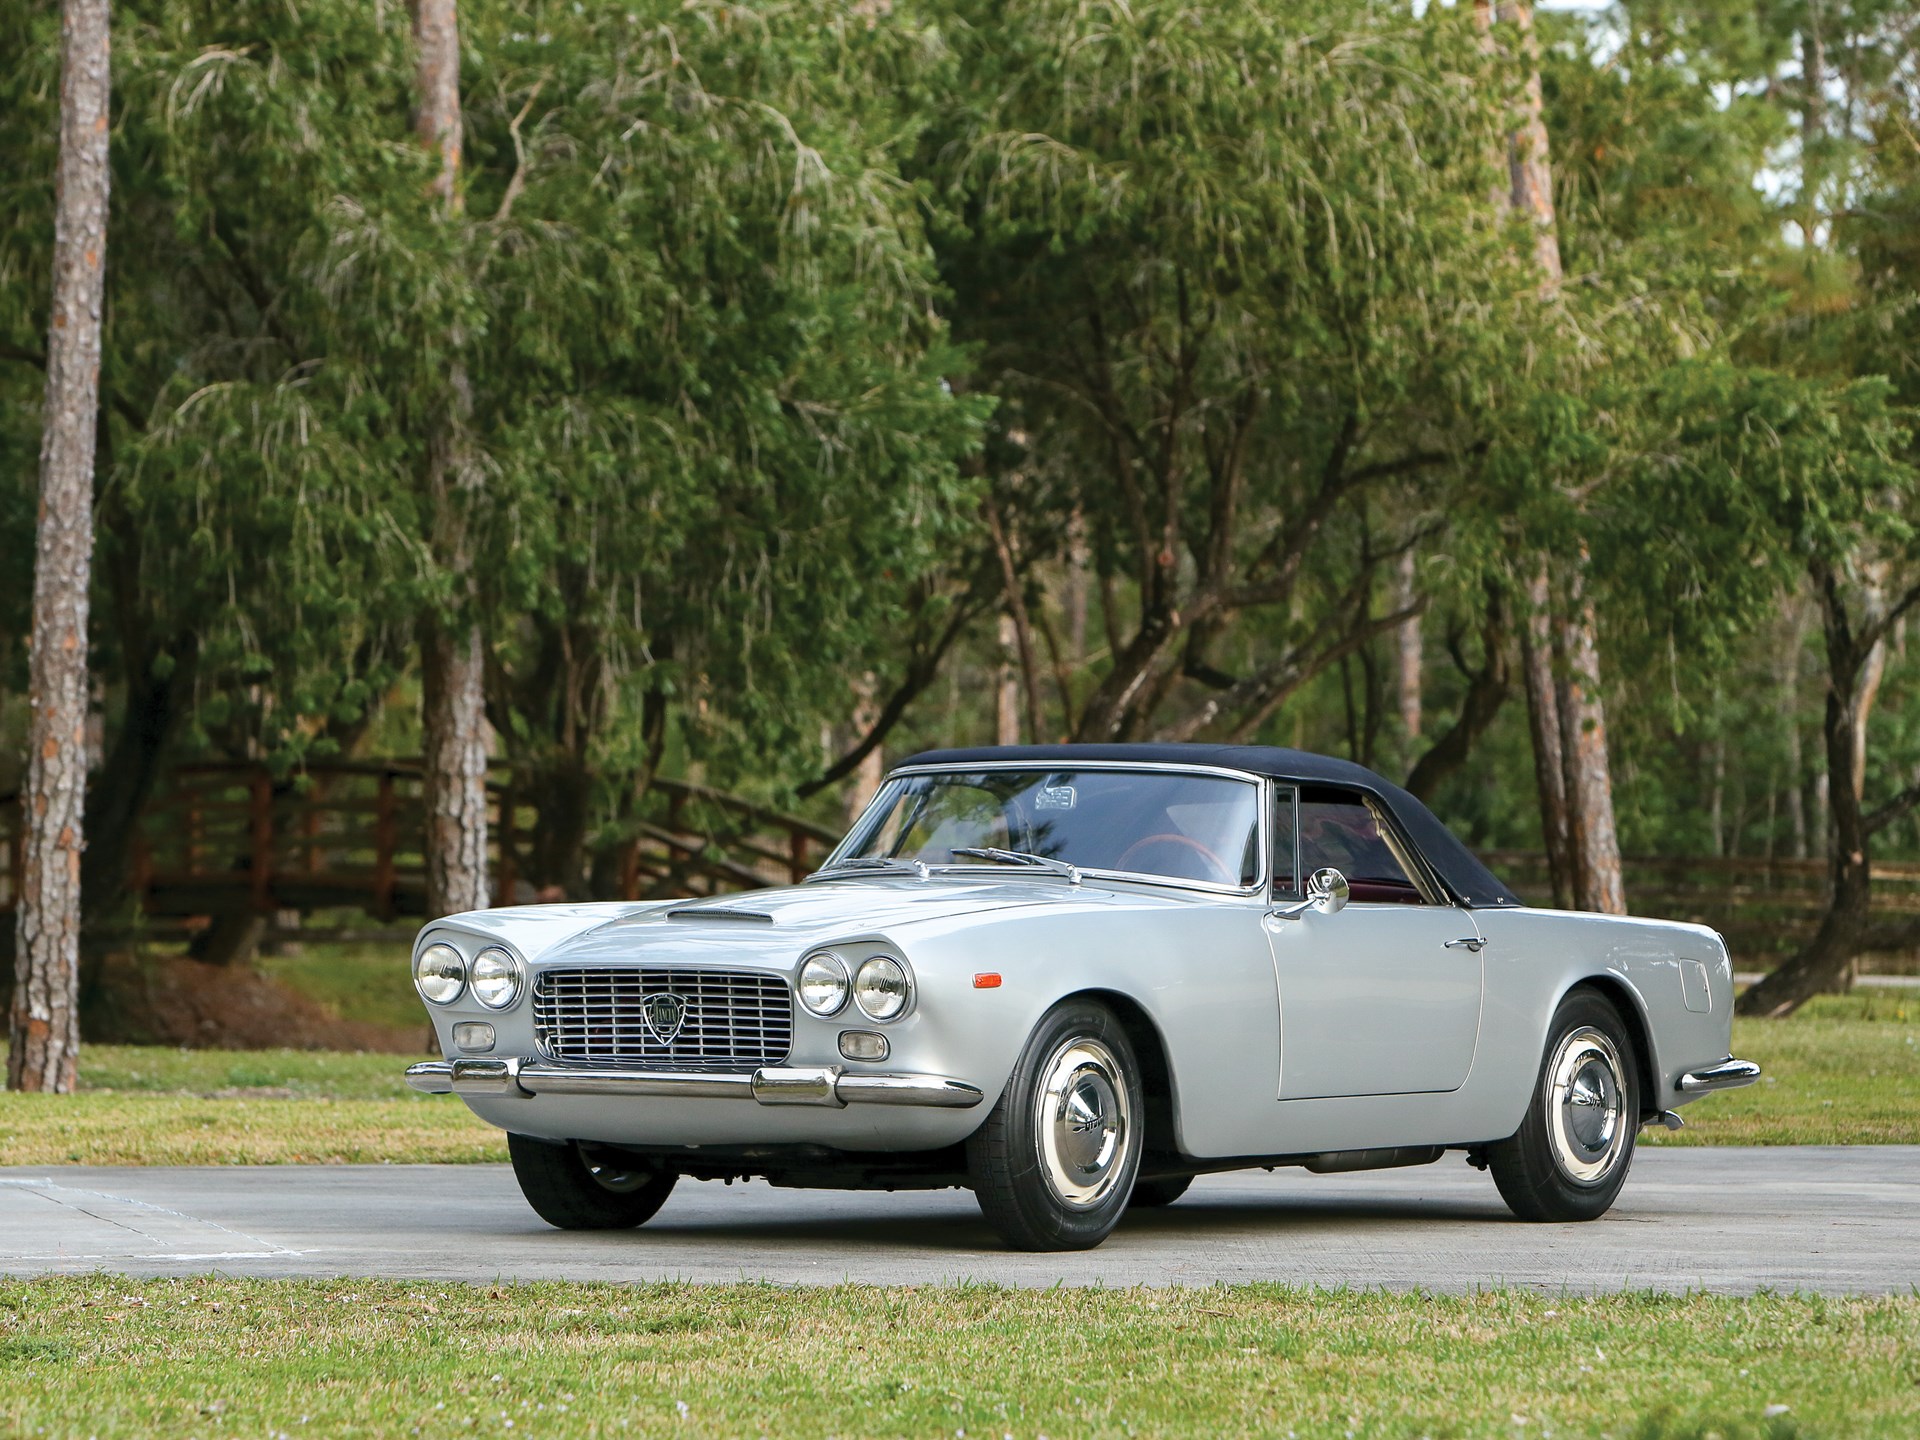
(1409, 655)
(1543, 722)
(1006, 727)
(1077, 587)
(1593, 846)
(1583, 724)
(436, 39)
(453, 701)
(1871, 674)
(1017, 616)
(44, 1023)
(456, 770)
(1528, 156)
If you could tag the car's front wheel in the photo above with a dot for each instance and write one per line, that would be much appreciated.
(576, 1187)
(1572, 1152)
(1158, 1194)
(1053, 1166)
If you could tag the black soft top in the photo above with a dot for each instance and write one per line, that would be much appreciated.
(1471, 882)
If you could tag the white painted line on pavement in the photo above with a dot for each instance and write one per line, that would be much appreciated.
(43, 1186)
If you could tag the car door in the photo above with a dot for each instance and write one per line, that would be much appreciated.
(1383, 996)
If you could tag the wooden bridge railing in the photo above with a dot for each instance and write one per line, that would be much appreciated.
(221, 838)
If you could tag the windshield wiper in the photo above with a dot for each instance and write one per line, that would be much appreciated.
(1019, 857)
(876, 862)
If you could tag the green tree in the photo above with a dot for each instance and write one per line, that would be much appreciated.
(1231, 269)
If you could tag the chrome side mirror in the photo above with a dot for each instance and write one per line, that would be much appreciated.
(1328, 891)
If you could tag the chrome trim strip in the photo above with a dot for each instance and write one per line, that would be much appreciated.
(769, 1085)
(1262, 789)
(934, 1090)
(539, 1077)
(1729, 1074)
(1189, 767)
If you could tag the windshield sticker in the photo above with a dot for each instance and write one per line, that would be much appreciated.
(1054, 797)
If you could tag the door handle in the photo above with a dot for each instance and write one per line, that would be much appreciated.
(1471, 942)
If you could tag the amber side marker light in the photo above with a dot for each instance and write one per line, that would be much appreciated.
(987, 980)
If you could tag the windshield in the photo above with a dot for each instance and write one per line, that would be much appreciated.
(1179, 826)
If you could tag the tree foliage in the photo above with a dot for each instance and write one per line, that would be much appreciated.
(1231, 270)
(781, 349)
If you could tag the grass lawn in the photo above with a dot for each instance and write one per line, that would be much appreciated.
(1845, 1071)
(149, 1105)
(107, 1357)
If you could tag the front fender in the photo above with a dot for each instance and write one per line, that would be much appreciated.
(1201, 974)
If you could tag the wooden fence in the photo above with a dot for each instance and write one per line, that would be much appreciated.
(220, 839)
(231, 839)
(1765, 907)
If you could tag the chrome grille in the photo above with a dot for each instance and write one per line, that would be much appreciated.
(734, 1020)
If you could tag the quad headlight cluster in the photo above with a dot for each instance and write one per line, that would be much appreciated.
(881, 988)
(442, 974)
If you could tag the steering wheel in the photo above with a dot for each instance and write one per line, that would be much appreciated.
(1221, 874)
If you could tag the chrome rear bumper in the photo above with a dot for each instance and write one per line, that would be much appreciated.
(1729, 1074)
(769, 1085)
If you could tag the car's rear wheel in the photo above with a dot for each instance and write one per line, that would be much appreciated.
(579, 1187)
(1571, 1154)
(1053, 1165)
(1157, 1194)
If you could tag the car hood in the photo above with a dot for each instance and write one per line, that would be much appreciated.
(757, 925)
(877, 900)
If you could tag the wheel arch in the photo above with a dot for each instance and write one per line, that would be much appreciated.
(1632, 1011)
(1156, 1072)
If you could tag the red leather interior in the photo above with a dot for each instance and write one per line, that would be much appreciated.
(1383, 892)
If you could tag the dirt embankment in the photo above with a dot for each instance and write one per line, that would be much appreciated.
(175, 1001)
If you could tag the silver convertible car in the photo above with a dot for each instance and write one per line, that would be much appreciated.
(1072, 978)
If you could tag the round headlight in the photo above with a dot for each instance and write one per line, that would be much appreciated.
(823, 983)
(440, 974)
(882, 987)
(496, 978)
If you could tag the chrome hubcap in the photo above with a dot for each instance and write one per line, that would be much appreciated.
(1586, 1104)
(617, 1178)
(1083, 1122)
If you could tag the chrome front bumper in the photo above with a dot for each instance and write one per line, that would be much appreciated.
(769, 1085)
(1729, 1074)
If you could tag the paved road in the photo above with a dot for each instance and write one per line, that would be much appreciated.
(1840, 1220)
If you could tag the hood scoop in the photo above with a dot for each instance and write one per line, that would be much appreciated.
(719, 912)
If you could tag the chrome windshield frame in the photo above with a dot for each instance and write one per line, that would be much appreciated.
(1262, 786)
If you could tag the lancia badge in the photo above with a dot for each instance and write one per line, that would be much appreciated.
(664, 1013)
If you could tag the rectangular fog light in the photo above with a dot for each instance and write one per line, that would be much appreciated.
(863, 1045)
(473, 1035)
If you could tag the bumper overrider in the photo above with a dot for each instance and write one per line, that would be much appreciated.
(1728, 1074)
(768, 1085)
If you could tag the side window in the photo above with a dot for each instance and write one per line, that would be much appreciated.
(1338, 828)
(1286, 833)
